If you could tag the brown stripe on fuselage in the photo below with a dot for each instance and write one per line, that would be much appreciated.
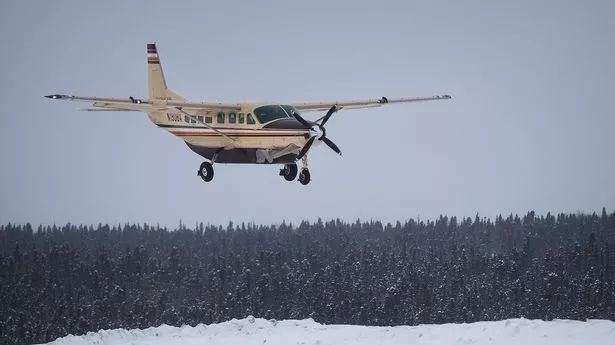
(214, 134)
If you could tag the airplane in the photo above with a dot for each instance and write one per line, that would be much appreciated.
(249, 133)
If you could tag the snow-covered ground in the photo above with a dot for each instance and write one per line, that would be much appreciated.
(308, 332)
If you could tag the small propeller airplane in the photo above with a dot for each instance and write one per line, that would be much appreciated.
(264, 133)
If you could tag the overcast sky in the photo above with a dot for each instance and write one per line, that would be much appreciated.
(530, 127)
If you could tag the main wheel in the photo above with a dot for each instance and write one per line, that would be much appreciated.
(304, 176)
(289, 172)
(206, 171)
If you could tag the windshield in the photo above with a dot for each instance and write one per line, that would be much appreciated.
(290, 110)
(268, 113)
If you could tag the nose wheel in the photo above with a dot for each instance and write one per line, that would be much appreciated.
(304, 176)
(206, 171)
(289, 172)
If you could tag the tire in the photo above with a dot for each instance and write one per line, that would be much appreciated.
(304, 177)
(289, 172)
(206, 171)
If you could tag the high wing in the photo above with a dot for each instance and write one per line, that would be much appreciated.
(134, 104)
(358, 104)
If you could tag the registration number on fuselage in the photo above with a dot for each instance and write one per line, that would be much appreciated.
(174, 117)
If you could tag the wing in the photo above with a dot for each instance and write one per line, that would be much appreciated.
(134, 104)
(366, 103)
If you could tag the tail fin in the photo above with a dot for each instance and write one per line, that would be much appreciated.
(156, 83)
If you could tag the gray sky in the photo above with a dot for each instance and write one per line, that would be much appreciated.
(530, 125)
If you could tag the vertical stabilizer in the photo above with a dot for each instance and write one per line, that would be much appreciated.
(156, 84)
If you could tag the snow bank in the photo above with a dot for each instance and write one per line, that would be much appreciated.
(308, 332)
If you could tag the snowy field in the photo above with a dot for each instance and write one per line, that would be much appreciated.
(308, 332)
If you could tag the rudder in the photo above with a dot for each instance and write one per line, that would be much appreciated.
(156, 83)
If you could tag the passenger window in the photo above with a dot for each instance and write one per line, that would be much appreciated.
(200, 118)
(186, 119)
(220, 117)
(192, 119)
(232, 118)
(251, 119)
(207, 119)
(242, 118)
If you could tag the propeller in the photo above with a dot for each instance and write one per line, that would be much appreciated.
(303, 121)
(328, 115)
(323, 137)
(305, 148)
(331, 144)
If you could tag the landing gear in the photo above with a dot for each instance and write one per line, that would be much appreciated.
(289, 172)
(206, 171)
(304, 176)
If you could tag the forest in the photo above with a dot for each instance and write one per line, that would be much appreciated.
(71, 279)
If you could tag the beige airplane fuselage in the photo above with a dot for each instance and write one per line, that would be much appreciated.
(246, 135)
(243, 133)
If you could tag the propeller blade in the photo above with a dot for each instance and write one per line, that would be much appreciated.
(305, 148)
(302, 120)
(331, 145)
(328, 115)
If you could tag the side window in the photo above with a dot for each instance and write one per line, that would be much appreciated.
(200, 119)
(220, 117)
(242, 118)
(208, 119)
(251, 119)
(232, 118)
(186, 119)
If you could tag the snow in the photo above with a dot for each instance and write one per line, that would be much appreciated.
(308, 332)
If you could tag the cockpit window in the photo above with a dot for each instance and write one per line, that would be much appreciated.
(290, 110)
(268, 113)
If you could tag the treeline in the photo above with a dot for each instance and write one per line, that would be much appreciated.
(56, 280)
